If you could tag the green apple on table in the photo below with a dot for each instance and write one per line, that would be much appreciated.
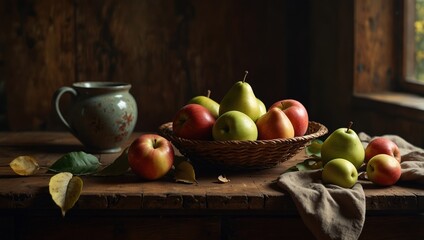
(234, 125)
(343, 143)
(241, 98)
(340, 172)
(274, 124)
(207, 102)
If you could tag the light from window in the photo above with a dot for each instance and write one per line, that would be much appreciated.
(419, 41)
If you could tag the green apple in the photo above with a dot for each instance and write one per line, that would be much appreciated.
(262, 108)
(234, 125)
(343, 143)
(241, 98)
(340, 172)
(207, 102)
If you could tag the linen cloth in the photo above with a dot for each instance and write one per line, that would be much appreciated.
(333, 212)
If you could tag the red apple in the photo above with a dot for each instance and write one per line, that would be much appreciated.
(382, 145)
(383, 169)
(274, 124)
(193, 121)
(150, 156)
(297, 114)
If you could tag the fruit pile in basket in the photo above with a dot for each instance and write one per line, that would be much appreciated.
(241, 118)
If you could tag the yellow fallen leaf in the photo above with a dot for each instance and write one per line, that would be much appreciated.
(24, 165)
(184, 172)
(65, 190)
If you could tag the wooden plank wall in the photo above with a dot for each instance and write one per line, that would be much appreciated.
(169, 51)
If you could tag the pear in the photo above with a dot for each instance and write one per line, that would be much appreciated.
(343, 143)
(207, 102)
(262, 108)
(241, 98)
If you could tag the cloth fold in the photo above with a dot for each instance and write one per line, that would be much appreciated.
(333, 212)
(329, 211)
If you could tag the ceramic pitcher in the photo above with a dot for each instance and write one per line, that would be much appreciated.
(102, 114)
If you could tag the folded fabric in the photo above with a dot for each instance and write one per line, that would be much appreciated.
(329, 211)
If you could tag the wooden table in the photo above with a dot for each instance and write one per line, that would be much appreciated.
(251, 206)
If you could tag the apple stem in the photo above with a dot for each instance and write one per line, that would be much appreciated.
(209, 94)
(245, 75)
(350, 125)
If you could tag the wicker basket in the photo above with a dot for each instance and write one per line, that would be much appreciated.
(242, 155)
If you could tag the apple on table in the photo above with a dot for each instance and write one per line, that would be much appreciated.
(381, 145)
(383, 169)
(340, 172)
(150, 156)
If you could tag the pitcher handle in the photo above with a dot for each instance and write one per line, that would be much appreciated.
(56, 100)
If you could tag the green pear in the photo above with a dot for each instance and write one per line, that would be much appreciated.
(208, 103)
(262, 108)
(241, 98)
(343, 143)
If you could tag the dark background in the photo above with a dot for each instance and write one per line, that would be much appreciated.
(318, 52)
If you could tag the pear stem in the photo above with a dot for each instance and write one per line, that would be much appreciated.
(349, 126)
(245, 75)
(209, 94)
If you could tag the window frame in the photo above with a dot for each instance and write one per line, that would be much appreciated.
(407, 79)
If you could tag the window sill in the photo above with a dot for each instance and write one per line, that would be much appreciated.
(392, 103)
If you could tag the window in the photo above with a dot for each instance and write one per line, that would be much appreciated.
(413, 46)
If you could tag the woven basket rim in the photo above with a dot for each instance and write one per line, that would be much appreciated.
(166, 129)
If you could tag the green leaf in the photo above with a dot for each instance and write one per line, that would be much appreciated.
(77, 163)
(65, 190)
(314, 148)
(307, 164)
(117, 167)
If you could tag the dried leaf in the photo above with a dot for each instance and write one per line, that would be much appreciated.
(117, 167)
(223, 179)
(65, 190)
(184, 173)
(24, 165)
(77, 163)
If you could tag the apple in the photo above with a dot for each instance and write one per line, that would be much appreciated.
(381, 145)
(207, 102)
(341, 172)
(383, 169)
(234, 125)
(274, 124)
(150, 156)
(297, 114)
(193, 121)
